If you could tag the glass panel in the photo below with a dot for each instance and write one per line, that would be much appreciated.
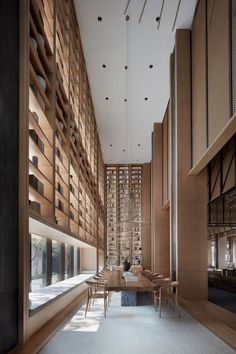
(68, 259)
(38, 262)
(56, 261)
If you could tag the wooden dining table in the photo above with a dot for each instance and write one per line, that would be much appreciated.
(118, 282)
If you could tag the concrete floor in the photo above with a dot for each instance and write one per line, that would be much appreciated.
(138, 330)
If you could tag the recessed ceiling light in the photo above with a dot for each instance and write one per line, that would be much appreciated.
(103, 65)
(99, 18)
(150, 66)
(146, 98)
(107, 98)
(127, 17)
(126, 67)
(157, 18)
(125, 99)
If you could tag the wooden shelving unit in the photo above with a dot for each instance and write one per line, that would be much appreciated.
(124, 213)
(63, 144)
(40, 112)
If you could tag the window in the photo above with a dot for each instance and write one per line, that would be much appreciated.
(56, 261)
(68, 261)
(38, 262)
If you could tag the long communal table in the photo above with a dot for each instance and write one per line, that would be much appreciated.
(128, 287)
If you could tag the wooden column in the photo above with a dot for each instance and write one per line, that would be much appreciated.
(146, 216)
(191, 191)
(160, 216)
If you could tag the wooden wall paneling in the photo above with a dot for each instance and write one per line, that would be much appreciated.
(191, 196)
(218, 67)
(165, 196)
(233, 19)
(199, 84)
(146, 216)
(160, 222)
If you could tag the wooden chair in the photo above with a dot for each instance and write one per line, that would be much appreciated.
(96, 290)
(174, 296)
(166, 290)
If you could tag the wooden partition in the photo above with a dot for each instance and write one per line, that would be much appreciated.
(191, 192)
(146, 216)
(213, 80)
(165, 157)
(160, 239)
(219, 110)
(199, 83)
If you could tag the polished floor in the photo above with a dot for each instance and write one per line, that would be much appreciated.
(135, 330)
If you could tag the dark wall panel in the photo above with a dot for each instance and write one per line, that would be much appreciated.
(199, 84)
(9, 113)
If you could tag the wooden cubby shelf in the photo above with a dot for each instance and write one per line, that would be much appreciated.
(66, 170)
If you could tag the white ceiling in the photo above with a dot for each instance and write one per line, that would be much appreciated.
(116, 43)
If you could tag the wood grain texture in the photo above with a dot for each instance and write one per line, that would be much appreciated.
(199, 116)
(191, 196)
(224, 136)
(117, 283)
(160, 216)
(165, 196)
(218, 67)
(146, 216)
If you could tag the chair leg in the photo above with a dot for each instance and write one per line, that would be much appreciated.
(160, 303)
(87, 305)
(177, 307)
(105, 307)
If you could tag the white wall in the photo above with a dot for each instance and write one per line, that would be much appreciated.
(88, 259)
(101, 260)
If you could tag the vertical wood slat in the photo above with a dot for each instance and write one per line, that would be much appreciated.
(199, 83)
(191, 192)
(218, 67)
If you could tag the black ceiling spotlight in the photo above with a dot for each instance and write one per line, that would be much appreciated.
(126, 67)
(146, 98)
(125, 99)
(139, 145)
(127, 18)
(99, 18)
(103, 65)
(107, 98)
(157, 18)
(123, 150)
(110, 145)
(150, 66)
